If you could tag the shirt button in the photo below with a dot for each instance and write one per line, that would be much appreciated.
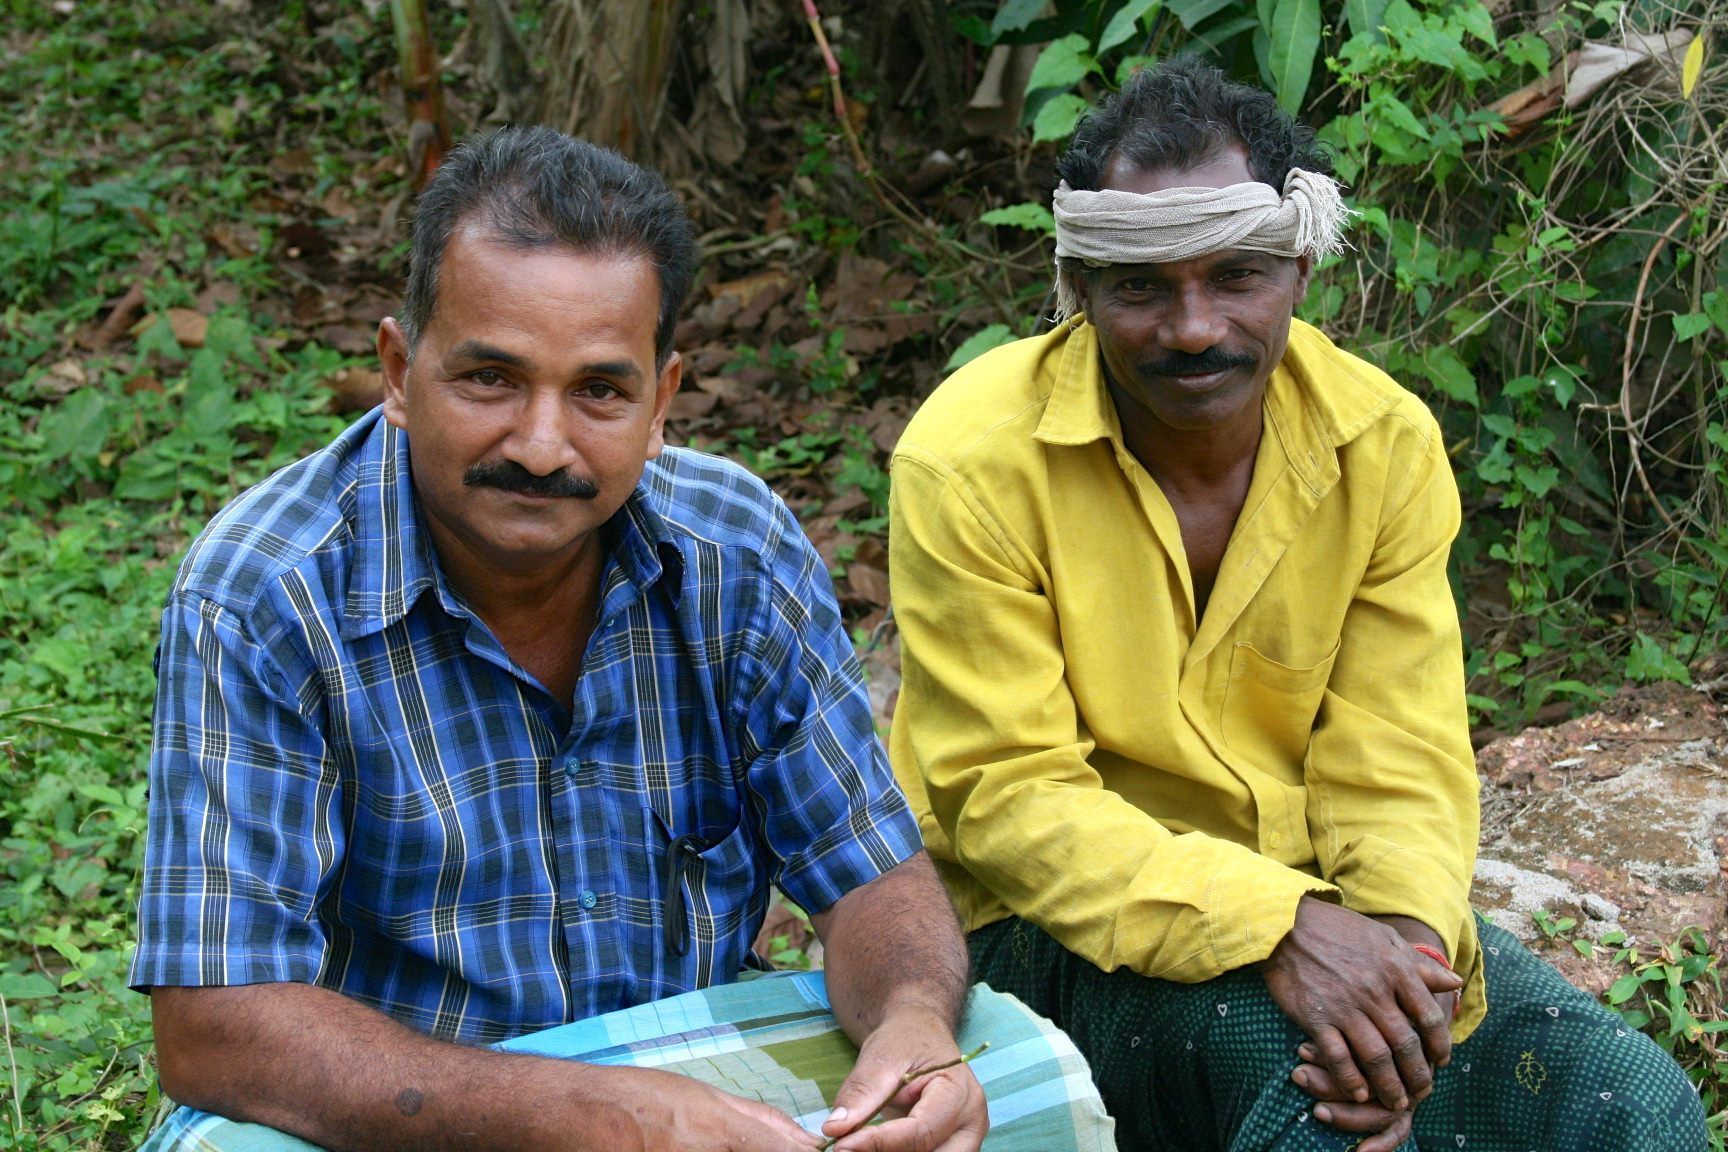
(588, 898)
(1274, 840)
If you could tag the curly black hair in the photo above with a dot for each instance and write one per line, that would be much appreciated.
(1183, 112)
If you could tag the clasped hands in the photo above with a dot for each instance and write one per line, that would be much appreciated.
(1376, 1011)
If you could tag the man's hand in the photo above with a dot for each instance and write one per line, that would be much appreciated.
(1369, 1004)
(940, 1112)
(897, 976)
(679, 1114)
(1385, 1128)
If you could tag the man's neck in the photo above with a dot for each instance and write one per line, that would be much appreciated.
(1192, 460)
(543, 615)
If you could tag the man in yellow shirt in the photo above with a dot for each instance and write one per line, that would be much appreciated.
(1183, 703)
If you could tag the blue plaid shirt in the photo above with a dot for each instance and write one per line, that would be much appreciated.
(353, 785)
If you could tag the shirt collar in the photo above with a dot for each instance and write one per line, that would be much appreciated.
(1079, 410)
(1317, 399)
(394, 563)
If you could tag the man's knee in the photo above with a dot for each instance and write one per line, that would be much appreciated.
(1569, 1064)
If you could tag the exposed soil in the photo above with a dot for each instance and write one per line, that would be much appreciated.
(1618, 818)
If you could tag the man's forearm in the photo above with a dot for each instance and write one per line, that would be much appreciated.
(892, 946)
(312, 1062)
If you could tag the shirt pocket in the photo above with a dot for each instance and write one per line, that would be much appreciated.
(711, 896)
(1270, 709)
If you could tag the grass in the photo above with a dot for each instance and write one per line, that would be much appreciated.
(109, 461)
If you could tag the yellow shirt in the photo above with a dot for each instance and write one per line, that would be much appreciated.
(1156, 794)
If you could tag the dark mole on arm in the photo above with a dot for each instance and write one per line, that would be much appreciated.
(408, 1102)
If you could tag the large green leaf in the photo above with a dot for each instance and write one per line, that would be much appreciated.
(1295, 35)
(1364, 16)
(1122, 25)
(1030, 216)
(1056, 118)
(1192, 12)
(1062, 64)
(979, 343)
(1015, 15)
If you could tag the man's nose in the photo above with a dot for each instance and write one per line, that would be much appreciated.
(1191, 321)
(543, 440)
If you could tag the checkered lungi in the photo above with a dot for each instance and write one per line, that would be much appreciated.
(774, 1039)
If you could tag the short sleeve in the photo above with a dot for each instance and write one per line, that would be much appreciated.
(831, 811)
(243, 835)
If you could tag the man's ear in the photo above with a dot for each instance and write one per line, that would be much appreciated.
(664, 389)
(393, 360)
(1304, 269)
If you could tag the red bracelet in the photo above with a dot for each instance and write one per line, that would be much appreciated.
(1435, 953)
(1440, 956)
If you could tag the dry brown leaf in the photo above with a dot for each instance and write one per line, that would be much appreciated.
(729, 389)
(189, 327)
(356, 389)
(868, 583)
(238, 240)
(691, 405)
(337, 203)
(292, 162)
(220, 294)
(120, 318)
(66, 375)
(354, 339)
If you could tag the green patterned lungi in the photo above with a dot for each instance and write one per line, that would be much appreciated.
(774, 1039)
(1207, 1066)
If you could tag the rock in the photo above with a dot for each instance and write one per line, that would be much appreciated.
(1618, 819)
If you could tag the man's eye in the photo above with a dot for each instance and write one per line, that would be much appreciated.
(486, 378)
(1236, 275)
(597, 390)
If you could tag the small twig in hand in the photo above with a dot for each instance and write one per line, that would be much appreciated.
(915, 1074)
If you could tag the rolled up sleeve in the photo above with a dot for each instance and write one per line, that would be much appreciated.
(243, 836)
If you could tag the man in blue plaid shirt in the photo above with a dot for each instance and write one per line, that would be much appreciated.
(495, 715)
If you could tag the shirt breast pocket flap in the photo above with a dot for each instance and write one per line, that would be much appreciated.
(706, 879)
(1270, 709)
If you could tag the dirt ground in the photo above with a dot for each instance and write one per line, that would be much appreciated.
(1618, 818)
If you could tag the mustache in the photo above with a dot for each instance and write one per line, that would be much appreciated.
(1197, 363)
(512, 477)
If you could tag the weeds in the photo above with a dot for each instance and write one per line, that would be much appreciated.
(1673, 993)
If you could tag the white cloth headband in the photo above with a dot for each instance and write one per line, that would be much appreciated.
(1113, 227)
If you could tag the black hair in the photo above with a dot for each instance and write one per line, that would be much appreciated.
(533, 187)
(1183, 112)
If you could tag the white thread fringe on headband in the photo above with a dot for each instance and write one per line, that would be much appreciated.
(1113, 227)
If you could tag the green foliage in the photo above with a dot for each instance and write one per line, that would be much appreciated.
(108, 463)
(1555, 289)
(980, 342)
(1673, 993)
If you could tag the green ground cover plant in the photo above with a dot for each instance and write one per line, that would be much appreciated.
(1672, 990)
(108, 463)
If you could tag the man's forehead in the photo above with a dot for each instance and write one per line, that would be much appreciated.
(1227, 166)
(1223, 258)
